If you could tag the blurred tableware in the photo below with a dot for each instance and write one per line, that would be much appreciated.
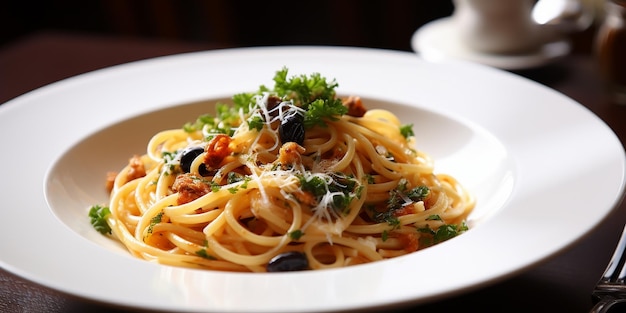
(510, 35)
(611, 50)
(516, 26)
(566, 15)
(439, 40)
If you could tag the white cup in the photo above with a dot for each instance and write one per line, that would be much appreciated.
(508, 26)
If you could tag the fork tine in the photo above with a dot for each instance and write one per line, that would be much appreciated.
(610, 291)
(616, 271)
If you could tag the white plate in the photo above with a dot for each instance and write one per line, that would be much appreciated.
(532, 156)
(439, 40)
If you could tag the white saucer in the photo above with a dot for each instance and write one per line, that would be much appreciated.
(438, 40)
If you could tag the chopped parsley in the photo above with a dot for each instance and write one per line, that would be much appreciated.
(256, 122)
(387, 216)
(155, 220)
(407, 130)
(385, 235)
(225, 121)
(314, 184)
(234, 177)
(341, 187)
(398, 198)
(169, 158)
(246, 180)
(98, 215)
(418, 193)
(202, 253)
(215, 187)
(434, 217)
(205, 119)
(432, 237)
(296, 234)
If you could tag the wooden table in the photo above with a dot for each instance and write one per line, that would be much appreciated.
(561, 284)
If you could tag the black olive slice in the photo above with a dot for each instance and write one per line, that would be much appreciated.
(187, 157)
(291, 128)
(288, 261)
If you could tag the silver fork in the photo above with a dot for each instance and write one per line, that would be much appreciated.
(609, 294)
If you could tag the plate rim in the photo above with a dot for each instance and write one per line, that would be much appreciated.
(18, 104)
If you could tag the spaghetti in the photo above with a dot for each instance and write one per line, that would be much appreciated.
(288, 178)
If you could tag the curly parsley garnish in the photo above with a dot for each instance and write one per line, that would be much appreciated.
(320, 111)
(303, 89)
(256, 122)
(313, 93)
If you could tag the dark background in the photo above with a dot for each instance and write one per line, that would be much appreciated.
(371, 23)
(386, 24)
(50, 33)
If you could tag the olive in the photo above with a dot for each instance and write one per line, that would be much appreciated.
(187, 157)
(288, 261)
(292, 128)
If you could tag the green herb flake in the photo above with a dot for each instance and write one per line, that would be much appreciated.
(256, 122)
(98, 215)
(385, 235)
(434, 217)
(155, 220)
(445, 232)
(296, 234)
(202, 253)
(199, 123)
(246, 180)
(359, 192)
(407, 130)
(442, 233)
(168, 156)
(233, 177)
(393, 221)
(418, 193)
(215, 187)
(315, 185)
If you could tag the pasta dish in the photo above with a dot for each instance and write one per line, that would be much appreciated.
(287, 178)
